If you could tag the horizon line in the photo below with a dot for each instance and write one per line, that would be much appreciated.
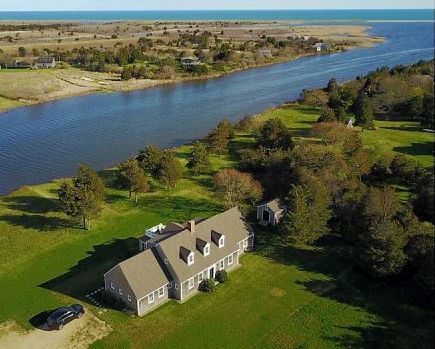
(235, 9)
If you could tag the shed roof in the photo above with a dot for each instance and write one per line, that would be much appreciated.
(275, 205)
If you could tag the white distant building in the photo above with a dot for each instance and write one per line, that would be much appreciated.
(265, 52)
(321, 46)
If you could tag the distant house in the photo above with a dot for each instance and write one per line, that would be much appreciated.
(190, 62)
(20, 64)
(175, 259)
(45, 62)
(321, 46)
(265, 52)
(270, 212)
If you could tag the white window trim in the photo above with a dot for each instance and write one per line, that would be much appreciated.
(112, 285)
(200, 277)
(129, 298)
(120, 291)
(221, 264)
(163, 292)
(230, 259)
(191, 258)
(151, 298)
(207, 250)
(170, 285)
(176, 286)
(191, 283)
(222, 241)
(245, 242)
(166, 261)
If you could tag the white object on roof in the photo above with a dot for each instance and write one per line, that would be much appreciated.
(154, 231)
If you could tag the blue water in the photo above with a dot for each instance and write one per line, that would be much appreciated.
(47, 141)
(368, 15)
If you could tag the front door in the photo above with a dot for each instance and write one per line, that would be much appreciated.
(266, 216)
(211, 273)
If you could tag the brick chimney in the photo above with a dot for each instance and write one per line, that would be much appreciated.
(191, 226)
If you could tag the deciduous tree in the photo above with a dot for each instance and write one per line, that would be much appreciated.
(236, 188)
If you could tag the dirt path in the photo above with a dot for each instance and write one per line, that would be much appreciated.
(78, 334)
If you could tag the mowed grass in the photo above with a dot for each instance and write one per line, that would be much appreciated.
(6, 104)
(281, 297)
(388, 139)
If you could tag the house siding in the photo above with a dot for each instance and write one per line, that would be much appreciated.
(186, 292)
(120, 283)
(145, 307)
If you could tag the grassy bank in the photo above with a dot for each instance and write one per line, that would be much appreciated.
(281, 297)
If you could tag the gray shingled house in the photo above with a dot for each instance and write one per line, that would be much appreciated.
(176, 258)
(45, 62)
(270, 212)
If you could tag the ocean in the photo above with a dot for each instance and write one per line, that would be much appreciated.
(279, 15)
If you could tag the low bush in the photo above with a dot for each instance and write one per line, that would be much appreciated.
(207, 286)
(221, 276)
(110, 300)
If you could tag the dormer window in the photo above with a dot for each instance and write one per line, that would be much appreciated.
(222, 241)
(206, 250)
(203, 247)
(218, 238)
(191, 258)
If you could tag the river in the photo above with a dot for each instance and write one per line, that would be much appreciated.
(42, 142)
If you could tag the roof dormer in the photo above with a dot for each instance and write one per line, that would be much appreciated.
(203, 247)
(187, 255)
(218, 238)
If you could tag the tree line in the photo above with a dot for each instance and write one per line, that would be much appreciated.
(400, 93)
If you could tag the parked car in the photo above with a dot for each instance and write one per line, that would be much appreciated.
(60, 317)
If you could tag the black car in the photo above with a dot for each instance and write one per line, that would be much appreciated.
(60, 317)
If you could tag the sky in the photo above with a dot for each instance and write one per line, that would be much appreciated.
(74, 5)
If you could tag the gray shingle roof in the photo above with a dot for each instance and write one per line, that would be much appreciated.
(143, 272)
(230, 223)
(275, 205)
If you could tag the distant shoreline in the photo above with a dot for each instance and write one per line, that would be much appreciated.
(226, 15)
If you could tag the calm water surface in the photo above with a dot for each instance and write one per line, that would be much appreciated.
(47, 141)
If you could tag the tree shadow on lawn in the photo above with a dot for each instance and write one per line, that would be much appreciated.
(36, 221)
(32, 204)
(180, 208)
(87, 275)
(426, 148)
(396, 319)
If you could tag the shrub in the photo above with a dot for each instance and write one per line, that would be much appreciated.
(207, 286)
(221, 276)
(109, 299)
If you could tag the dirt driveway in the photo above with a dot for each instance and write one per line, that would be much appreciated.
(78, 334)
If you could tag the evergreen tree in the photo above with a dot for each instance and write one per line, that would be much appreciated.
(275, 135)
(132, 177)
(309, 212)
(363, 111)
(332, 85)
(219, 139)
(84, 197)
(199, 162)
(328, 115)
(170, 170)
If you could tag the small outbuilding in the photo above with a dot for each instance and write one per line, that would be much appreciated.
(321, 46)
(190, 62)
(270, 212)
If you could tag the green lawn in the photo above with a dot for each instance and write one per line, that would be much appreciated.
(6, 104)
(389, 138)
(280, 298)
